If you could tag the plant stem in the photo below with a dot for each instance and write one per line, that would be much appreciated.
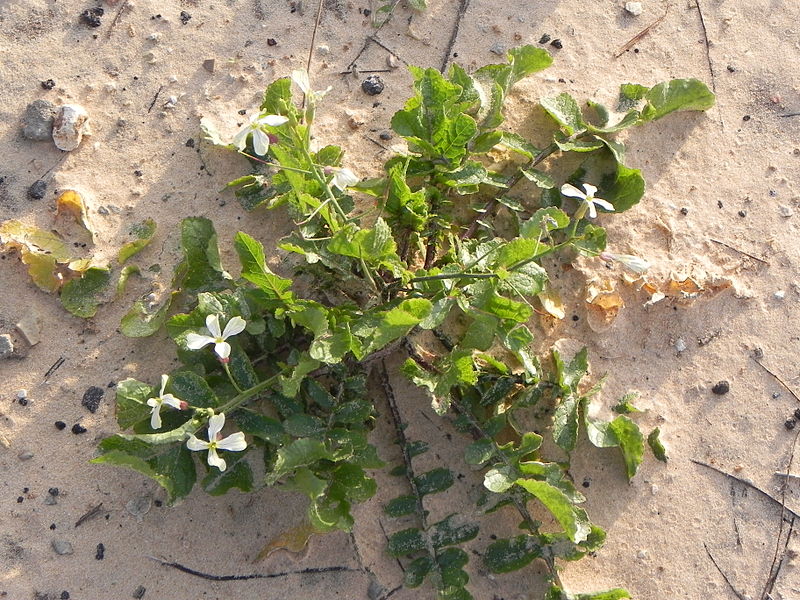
(454, 276)
(233, 381)
(272, 164)
(244, 396)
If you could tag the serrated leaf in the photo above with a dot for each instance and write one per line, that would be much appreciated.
(278, 99)
(82, 296)
(570, 517)
(302, 452)
(566, 112)
(656, 446)
(238, 474)
(543, 221)
(143, 232)
(171, 466)
(565, 423)
(191, 387)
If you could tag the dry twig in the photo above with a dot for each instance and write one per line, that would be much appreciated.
(635, 39)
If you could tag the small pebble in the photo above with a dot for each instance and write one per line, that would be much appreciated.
(25, 455)
(742, 213)
(272, 42)
(53, 491)
(680, 345)
(102, 210)
(6, 346)
(634, 8)
(185, 17)
(684, 211)
(498, 48)
(544, 39)
(385, 136)
(37, 124)
(139, 507)
(60, 425)
(323, 50)
(721, 388)
(642, 554)
(779, 295)
(37, 190)
(48, 84)
(21, 394)
(731, 69)
(69, 127)
(64, 595)
(786, 211)
(209, 64)
(92, 398)
(77, 429)
(138, 593)
(101, 552)
(62, 547)
(91, 17)
(557, 44)
(790, 424)
(392, 62)
(373, 85)
(746, 118)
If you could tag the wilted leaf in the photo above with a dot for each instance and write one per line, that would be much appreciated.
(293, 540)
(603, 304)
(71, 203)
(551, 302)
(124, 275)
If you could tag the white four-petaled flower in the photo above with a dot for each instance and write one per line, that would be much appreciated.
(342, 177)
(156, 403)
(588, 196)
(256, 127)
(234, 442)
(300, 79)
(195, 341)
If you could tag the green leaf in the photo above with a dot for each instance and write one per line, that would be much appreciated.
(566, 112)
(301, 425)
(375, 246)
(543, 221)
(124, 275)
(507, 555)
(556, 593)
(452, 530)
(565, 423)
(499, 479)
(479, 452)
(405, 542)
(676, 95)
(626, 190)
(434, 481)
(409, 208)
(256, 271)
(355, 411)
(519, 144)
(189, 386)
(199, 243)
(290, 386)
(278, 99)
(656, 446)
(132, 408)
(401, 506)
(417, 570)
(624, 406)
(526, 60)
(237, 475)
(303, 452)
(540, 178)
(622, 433)
(570, 517)
(143, 232)
(592, 240)
(171, 466)
(261, 426)
(82, 296)
(384, 327)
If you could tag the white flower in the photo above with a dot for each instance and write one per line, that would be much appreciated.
(156, 403)
(234, 442)
(300, 79)
(256, 127)
(570, 190)
(195, 341)
(342, 177)
(634, 263)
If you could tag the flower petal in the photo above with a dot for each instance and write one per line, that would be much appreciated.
(195, 444)
(570, 190)
(164, 379)
(171, 400)
(223, 349)
(300, 78)
(195, 341)
(215, 425)
(153, 401)
(234, 442)
(592, 210)
(215, 460)
(155, 417)
(212, 324)
(603, 203)
(260, 142)
(240, 139)
(235, 326)
(274, 120)
(590, 190)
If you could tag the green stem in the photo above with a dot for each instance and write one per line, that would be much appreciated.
(454, 276)
(244, 396)
(272, 164)
(233, 381)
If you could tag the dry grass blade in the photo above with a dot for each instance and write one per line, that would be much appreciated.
(635, 39)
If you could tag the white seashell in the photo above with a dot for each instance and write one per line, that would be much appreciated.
(70, 125)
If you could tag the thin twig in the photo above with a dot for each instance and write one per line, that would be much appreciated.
(89, 514)
(314, 37)
(739, 594)
(708, 46)
(778, 379)
(371, 38)
(153, 103)
(773, 571)
(797, 114)
(56, 366)
(462, 9)
(632, 42)
(749, 484)
(729, 247)
(309, 571)
(116, 18)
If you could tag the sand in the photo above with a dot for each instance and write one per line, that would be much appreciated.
(734, 172)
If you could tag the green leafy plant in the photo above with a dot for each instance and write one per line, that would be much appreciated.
(452, 243)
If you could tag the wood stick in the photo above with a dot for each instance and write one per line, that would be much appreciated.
(632, 42)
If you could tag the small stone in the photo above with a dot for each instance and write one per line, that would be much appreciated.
(37, 124)
(721, 388)
(60, 425)
(92, 398)
(171, 102)
(37, 190)
(69, 127)
(102, 210)
(557, 44)
(30, 327)
(498, 48)
(545, 38)
(54, 491)
(185, 17)
(101, 552)
(385, 136)
(790, 424)
(731, 69)
(679, 345)
(78, 429)
(48, 84)
(642, 554)
(25, 455)
(373, 85)
(6, 346)
(139, 507)
(138, 593)
(91, 17)
(785, 211)
(779, 295)
(684, 211)
(323, 50)
(62, 547)
(272, 42)
(64, 595)
(209, 64)
(21, 394)
(392, 62)
(634, 8)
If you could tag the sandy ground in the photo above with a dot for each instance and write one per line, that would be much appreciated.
(734, 171)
